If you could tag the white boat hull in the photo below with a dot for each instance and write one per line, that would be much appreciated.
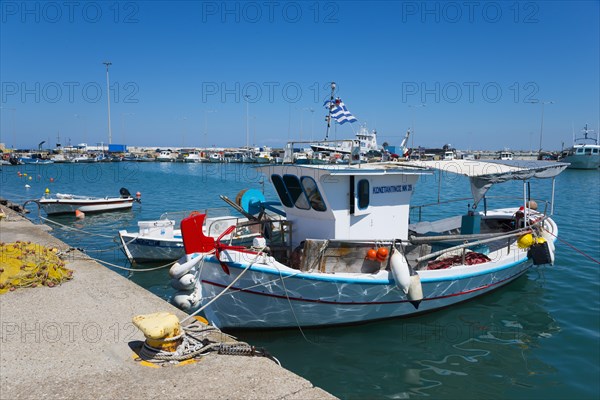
(144, 249)
(69, 206)
(267, 297)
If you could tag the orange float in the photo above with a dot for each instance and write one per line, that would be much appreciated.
(382, 254)
(371, 255)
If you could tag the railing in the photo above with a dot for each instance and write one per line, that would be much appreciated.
(485, 205)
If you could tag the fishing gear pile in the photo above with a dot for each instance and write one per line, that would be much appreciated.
(26, 264)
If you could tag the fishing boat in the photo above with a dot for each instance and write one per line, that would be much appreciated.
(349, 252)
(70, 203)
(350, 255)
(194, 157)
(585, 153)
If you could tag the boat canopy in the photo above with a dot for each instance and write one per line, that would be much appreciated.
(484, 173)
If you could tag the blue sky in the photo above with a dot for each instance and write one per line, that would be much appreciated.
(180, 71)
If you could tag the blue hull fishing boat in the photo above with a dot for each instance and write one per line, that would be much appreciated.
(347, 252)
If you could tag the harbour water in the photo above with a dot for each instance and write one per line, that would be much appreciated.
(538, 337)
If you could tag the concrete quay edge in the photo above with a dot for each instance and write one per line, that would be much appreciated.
(73, 341)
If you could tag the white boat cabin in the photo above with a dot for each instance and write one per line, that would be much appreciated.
(345, 203)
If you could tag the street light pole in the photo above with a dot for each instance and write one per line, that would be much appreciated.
(108, 64)
(542, 121)
(542, 125)
(247, 126)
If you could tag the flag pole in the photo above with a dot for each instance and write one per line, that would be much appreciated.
(331, 105)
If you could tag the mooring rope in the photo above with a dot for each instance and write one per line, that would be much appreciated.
(195, 342)
(573, 247)
(260, 252)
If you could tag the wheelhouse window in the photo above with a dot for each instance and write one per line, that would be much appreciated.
(312, 192)
(281, 191)
(363, 194)
(297, 195)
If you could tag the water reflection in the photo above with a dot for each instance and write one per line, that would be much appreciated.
(464, 351)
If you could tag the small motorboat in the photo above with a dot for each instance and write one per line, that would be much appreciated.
(160, 240)
(70, 203)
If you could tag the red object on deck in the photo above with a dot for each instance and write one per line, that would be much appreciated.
(194, 240)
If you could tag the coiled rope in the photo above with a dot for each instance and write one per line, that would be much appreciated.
(196, 342)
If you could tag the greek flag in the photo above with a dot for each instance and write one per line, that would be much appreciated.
(339, 111)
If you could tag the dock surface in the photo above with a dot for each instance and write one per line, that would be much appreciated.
(73, 341)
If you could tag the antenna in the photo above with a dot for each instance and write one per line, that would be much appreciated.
(328, 117)
(108, 64)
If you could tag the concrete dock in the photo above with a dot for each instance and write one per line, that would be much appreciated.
(73, 341)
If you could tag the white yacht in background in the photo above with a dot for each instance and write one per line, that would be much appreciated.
(366, 141)
(166, 156)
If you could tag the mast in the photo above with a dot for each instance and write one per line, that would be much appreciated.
(328, 117)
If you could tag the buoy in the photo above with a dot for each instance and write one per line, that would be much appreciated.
(371, 254)
(79, 214)
(525, 241)
(532, 205)
(400, 270)
(382, 254)
(30, 178)
(51, 179)
(47, 191)
(27, 186)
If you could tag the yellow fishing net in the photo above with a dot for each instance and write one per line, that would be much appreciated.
(26, 264)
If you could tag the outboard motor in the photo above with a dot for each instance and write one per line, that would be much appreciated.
(124, 193)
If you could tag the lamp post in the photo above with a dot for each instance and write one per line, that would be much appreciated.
(108, 64)
(246, 97)
(542, 122)
(412, 113)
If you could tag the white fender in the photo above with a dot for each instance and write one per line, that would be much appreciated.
(187, 301)
(415, 290)
(400, 271)
(186, 282)
(178, 269)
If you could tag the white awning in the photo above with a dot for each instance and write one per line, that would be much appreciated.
(484, 173)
